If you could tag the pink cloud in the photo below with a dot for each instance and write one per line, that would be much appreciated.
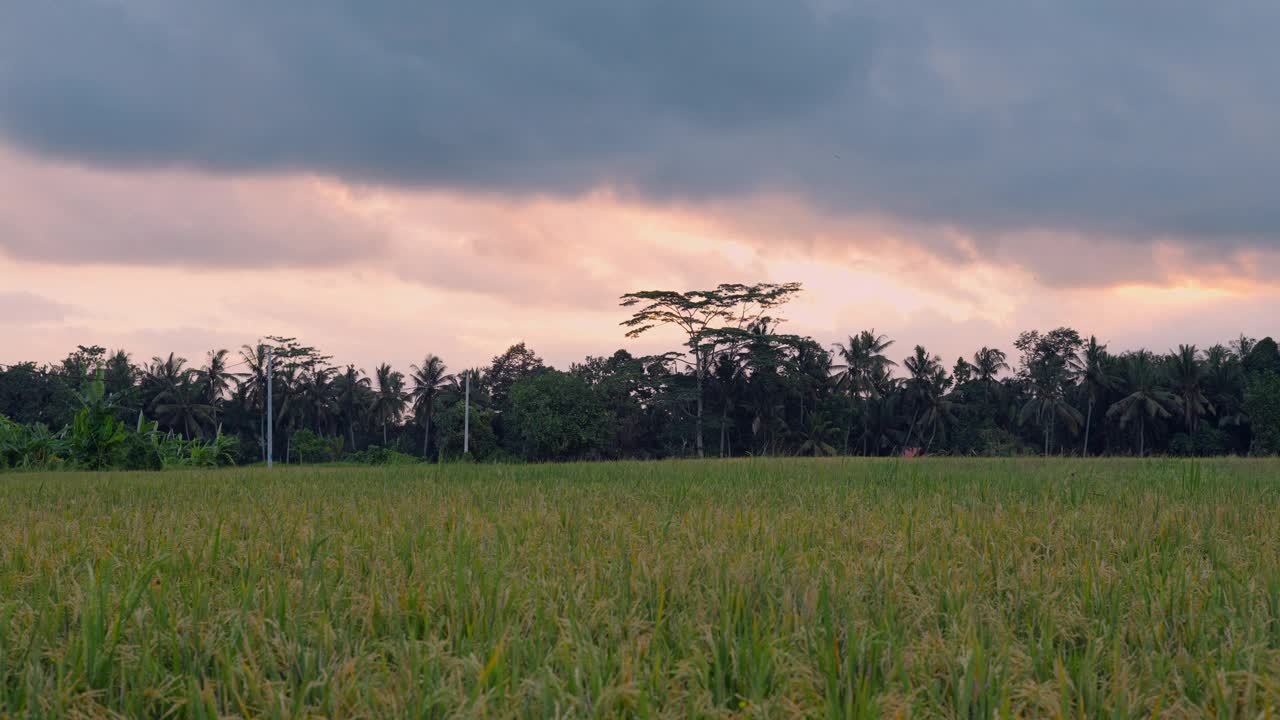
(155, 261)
(66, 214)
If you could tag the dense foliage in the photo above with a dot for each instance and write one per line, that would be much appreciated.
(1117, 588)
(737, 386)
(97, 440)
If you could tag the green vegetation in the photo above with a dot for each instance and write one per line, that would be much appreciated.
(746, 588)
(96, 440)
(736, 386)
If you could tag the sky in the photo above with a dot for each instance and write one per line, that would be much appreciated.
(384, 180)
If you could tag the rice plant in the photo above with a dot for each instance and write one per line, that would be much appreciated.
(833, 588)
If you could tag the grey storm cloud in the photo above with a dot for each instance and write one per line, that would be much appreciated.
(1140, 120)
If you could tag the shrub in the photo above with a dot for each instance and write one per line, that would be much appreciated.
(175, 451)
(218, 452)
(97, 439)
(1207, 441)
(141, 453)
(10, 433)
(998, 442)
(375, 455)
(308, 447)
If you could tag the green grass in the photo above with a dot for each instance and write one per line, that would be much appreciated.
(768, 588)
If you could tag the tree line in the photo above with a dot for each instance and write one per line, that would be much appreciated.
(738, 385)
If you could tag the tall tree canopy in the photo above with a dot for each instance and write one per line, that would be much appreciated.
(732, 374)
(709, 319)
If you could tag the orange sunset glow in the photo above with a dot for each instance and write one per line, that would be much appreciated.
(466, 272)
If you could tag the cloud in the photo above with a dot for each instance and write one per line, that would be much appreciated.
(546, 251)
(365, 318)
(1133, 123)
(532, 251)
(376, 315)
(29, 309)
(61, 213)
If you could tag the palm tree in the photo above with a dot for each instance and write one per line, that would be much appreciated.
(288, 384)
(882, 421)
(807, 370)
(938, 408)
(215, 380)
(254, 379)
(252, 386)
(388, 402)
(319, 401)
(162, 378)
(1095, 377)
(353, 394)
(1048, 403)
(987, 363)
(456, 387)
(921, 369)
(428, 379)
(921, 366)
(165, 372)
(1187, 378)
(726, 377)
(815, 433)
(1224, 384)
(762, 357)
(881, 382)
(1146, 398)
(1046, 408)
(181, 404)
(863, 356)
(962, 372)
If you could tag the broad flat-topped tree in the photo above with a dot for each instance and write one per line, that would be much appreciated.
(710, 319)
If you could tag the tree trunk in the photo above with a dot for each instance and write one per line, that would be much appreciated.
(384, 433)
(724, 419)
(911, 430)
(848, 428)
(697, 440)
(426, 438)
(351, 428)
(1087, 420)
(1142, 436)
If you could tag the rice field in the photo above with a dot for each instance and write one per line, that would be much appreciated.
(760, 588)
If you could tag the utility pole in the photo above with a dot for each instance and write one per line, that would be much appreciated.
(270, 412)
(466, 418)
